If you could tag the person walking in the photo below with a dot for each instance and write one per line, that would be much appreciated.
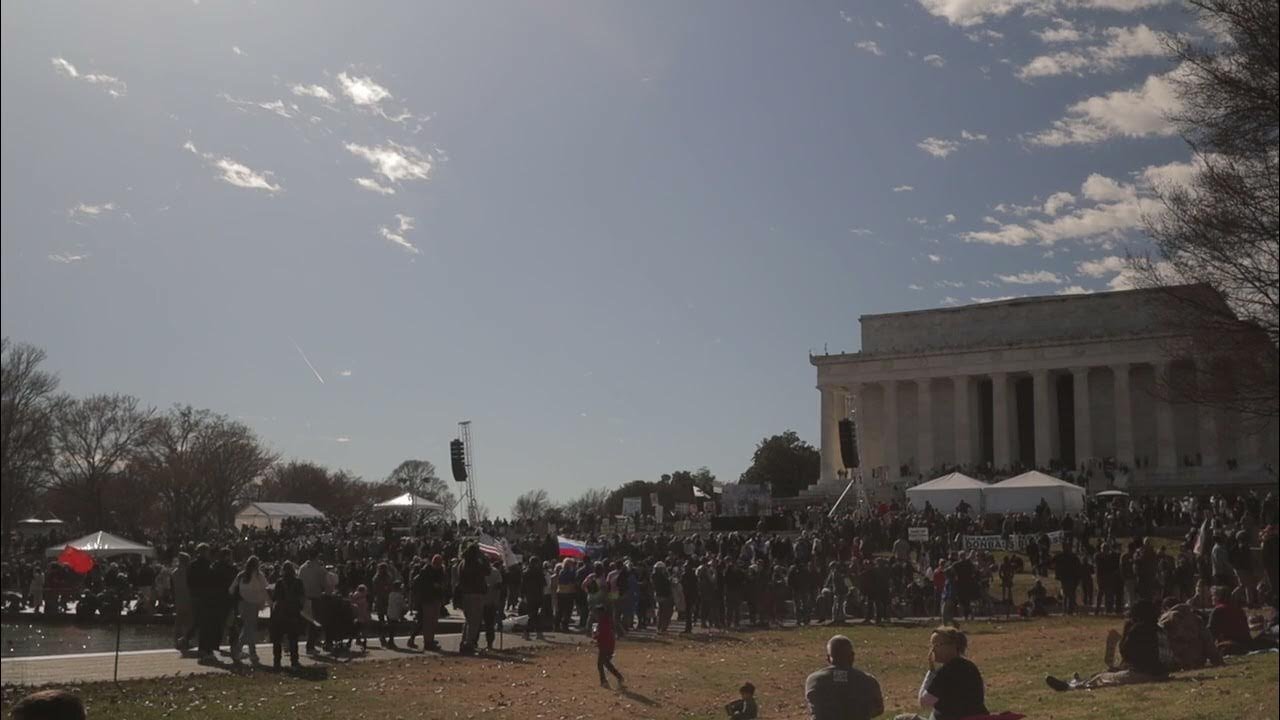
(250, 591)
(431, 588)
(383, 584)
(207, 600)
(313, 575)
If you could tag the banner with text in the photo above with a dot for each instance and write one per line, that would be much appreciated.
(1014, 543)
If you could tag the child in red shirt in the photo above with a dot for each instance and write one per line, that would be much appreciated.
(605, 641)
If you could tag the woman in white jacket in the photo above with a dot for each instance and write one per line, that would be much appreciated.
(250, 591)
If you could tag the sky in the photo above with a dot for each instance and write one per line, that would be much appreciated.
(609, 234)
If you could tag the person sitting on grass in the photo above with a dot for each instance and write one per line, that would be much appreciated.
(953, 688)
(744, 708)
(1190, 643)
(840, 691)
(49, 705)
(1228, 624)
(1143, 649)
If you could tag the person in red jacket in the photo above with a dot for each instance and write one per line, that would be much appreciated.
(606, 641)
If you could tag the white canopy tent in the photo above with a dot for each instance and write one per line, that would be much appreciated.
(947, 492)
(271, 514)
(408, 501)
(103, 544)
(1023, 493)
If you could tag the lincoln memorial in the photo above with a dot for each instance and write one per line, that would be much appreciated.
(1059, 382)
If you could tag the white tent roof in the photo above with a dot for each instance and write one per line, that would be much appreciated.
(103, 543)
(281, 510)
(408, 501)
(1035, 479)
(950, 481)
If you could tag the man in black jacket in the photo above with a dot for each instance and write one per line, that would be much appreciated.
(207, 601)
(689, 586)
(532, 585)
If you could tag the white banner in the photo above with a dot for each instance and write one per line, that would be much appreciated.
(1015, 543)
(657, 514)
(632, 505)
(918, 534)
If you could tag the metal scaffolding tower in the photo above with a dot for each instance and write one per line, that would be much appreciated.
(469, 503)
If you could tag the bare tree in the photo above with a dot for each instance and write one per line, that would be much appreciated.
(532, 505)
(590, 502)
(232, 459)
(93, 440)
(26, 426)
(1223, 228)
(419, 477)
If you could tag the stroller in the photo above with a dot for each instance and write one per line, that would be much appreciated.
(337, 619)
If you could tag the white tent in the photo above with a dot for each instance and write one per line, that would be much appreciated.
(103, 544)
(271, 514)
(1024, 492)
(408, 501)
(946, 492)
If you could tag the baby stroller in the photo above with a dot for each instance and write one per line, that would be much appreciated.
(337, 619)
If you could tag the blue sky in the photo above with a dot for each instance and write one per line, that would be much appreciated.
(606, 233)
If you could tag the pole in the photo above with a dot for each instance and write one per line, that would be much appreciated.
(847, 488)
(115, 673)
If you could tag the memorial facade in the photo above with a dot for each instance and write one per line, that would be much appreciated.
(1072, 383)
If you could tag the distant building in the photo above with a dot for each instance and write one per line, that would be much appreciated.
(1057, 382)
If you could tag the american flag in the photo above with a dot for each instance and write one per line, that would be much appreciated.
(494, 548)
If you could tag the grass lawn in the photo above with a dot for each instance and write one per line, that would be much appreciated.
(674, 677)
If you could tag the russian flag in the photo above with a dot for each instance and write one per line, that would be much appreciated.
(572, 548)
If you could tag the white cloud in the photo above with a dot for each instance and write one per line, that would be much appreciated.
(236, 173)
(904, 188)
(938, 147)
(394, 162)
(949, 217)
(942, 147)
(276, 107)
(934, 59)
(914, 286)
(1121, 44)
(342, 439)
(1140, 112)
(1032, 277)
(114, 86)
(1100, 188)
(985, 35)
(67, 258)
(859, 231)
(1057, 201)
(1101, 266)
(870, 46)
(375, 186)
(319, 92)
(948, 300)
(236, 49)
(404, 224)
(344, 373)
(933, 258)
(85, 210)
(988, 283)
(1000, 298)
(362, 90)
(1062, 31)
(1072, 290)
(967, 13)
(1004, 234)
(917, 221)
(949, 284)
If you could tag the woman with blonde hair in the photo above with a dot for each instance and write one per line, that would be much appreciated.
(250, 592)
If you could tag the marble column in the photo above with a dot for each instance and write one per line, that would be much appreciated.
(832, 404)
(1000, 420)
(924, 426)
(1124, 415)
(1166, 442)
(889, 432)
(1042, 417)
(963, 421)
(853, 406)
(1083, 417)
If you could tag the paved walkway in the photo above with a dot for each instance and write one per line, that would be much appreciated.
(144, 664)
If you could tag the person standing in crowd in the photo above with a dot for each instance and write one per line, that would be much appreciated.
(383, 584)
(664, 593)
(184, 618)
(313, 575)
(431, 588)
(208, 601)
(493, 600)
(689, 587)
(532, 585)
(566, 591)
(473, 585)
(364, 618)
(840, 691)
(953, 688)
(1066, 566)
(250, 591)
(224, 576)
(1007, 571)
(287, 600)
